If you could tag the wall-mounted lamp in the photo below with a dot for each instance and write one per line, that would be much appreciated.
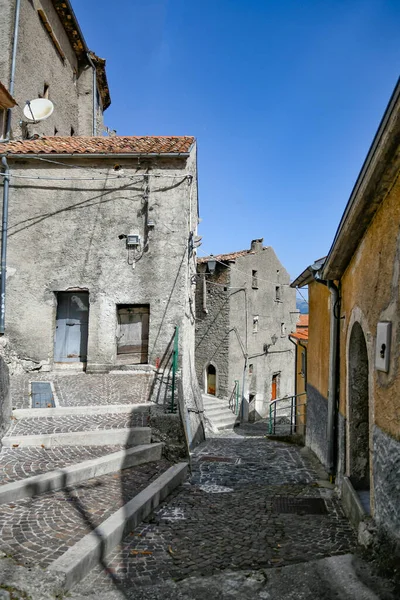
(151, 223)
(211, 265)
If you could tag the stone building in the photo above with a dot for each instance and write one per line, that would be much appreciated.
(52, 61)
(100, 262)
(245, 309)
(353, 381)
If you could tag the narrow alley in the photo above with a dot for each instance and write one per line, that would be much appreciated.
(254, 515)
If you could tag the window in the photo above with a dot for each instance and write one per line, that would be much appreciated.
(283, 330)
(278, 293)
(251, 369)
(46, 91)
(133, 333)
(303, 364)
(72, 131)
(252, 397)
(254, 280)
(255, 324)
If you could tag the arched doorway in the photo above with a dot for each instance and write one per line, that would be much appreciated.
(211, 380)
(358, 409)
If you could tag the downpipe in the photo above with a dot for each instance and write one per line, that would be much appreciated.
(4, 228)
(332, 377)
(333, 365)
(94, 95)
(12, 72)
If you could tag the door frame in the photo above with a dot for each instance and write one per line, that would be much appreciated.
(72, 365)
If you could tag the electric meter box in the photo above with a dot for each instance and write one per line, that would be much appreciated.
(133, 239)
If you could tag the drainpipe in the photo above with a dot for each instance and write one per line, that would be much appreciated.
(333, 364)
(295, 364)
(4, 228)
(332, 380)
(12, 73)
(94, 126)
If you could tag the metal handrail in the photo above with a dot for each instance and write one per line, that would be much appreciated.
(293, 406)
(234, 398)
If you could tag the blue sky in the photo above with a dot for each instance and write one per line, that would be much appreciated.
(283, 96)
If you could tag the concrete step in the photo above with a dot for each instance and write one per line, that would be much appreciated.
(132, 436)
(218, 409)
(61, 411)
(79, 472)
(91, 550)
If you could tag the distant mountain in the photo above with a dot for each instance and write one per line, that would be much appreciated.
(302, 306)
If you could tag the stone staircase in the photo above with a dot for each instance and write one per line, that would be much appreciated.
(77, 477)
(218, 414)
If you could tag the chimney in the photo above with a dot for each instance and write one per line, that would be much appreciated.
(256, 245)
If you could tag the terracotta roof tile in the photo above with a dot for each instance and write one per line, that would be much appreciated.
(101, 145)
(300, 335)
(302, 322)
(227, 257)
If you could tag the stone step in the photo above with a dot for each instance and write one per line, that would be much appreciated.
(62, 411)
(91, 550)
(77, 422)
(36, 531)
(70, 476)
(217, 410)
(132, 436)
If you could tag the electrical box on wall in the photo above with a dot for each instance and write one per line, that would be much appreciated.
(382, 350)
(133, 239)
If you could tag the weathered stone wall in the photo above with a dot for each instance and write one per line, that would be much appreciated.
(39, 63)
(5, 398)
(386, 469)
(316, 428)
(212, 326)
(277, 316)
(64, 235)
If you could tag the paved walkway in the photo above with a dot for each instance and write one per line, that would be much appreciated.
(35, 531)
(230, 516)
(81, 389)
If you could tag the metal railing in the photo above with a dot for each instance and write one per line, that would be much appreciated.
(287, 415)
(174, 369)
(234, 398)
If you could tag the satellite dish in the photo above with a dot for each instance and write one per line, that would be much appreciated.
(38, 109)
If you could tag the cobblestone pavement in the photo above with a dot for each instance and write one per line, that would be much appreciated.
(80, 389)
(67, 423)
(226, 518)
(19, 463)
(36, 531)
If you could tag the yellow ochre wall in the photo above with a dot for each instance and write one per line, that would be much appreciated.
(318, 337)
(370, 288)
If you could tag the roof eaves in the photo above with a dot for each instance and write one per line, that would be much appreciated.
(380, 164)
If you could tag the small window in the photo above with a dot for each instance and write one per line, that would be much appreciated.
(252, 397)
(72, 131)
(254, 280)
(255, 324)
(251, 369)
(283, 329)
(55, 130)
(278, 293)
(46, 89)
(303, 364)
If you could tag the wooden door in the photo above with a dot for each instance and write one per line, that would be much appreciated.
(274, 387)
(72, 323)
(133, 333)
(211, 380)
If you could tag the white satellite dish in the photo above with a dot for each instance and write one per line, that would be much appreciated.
(38, 109)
